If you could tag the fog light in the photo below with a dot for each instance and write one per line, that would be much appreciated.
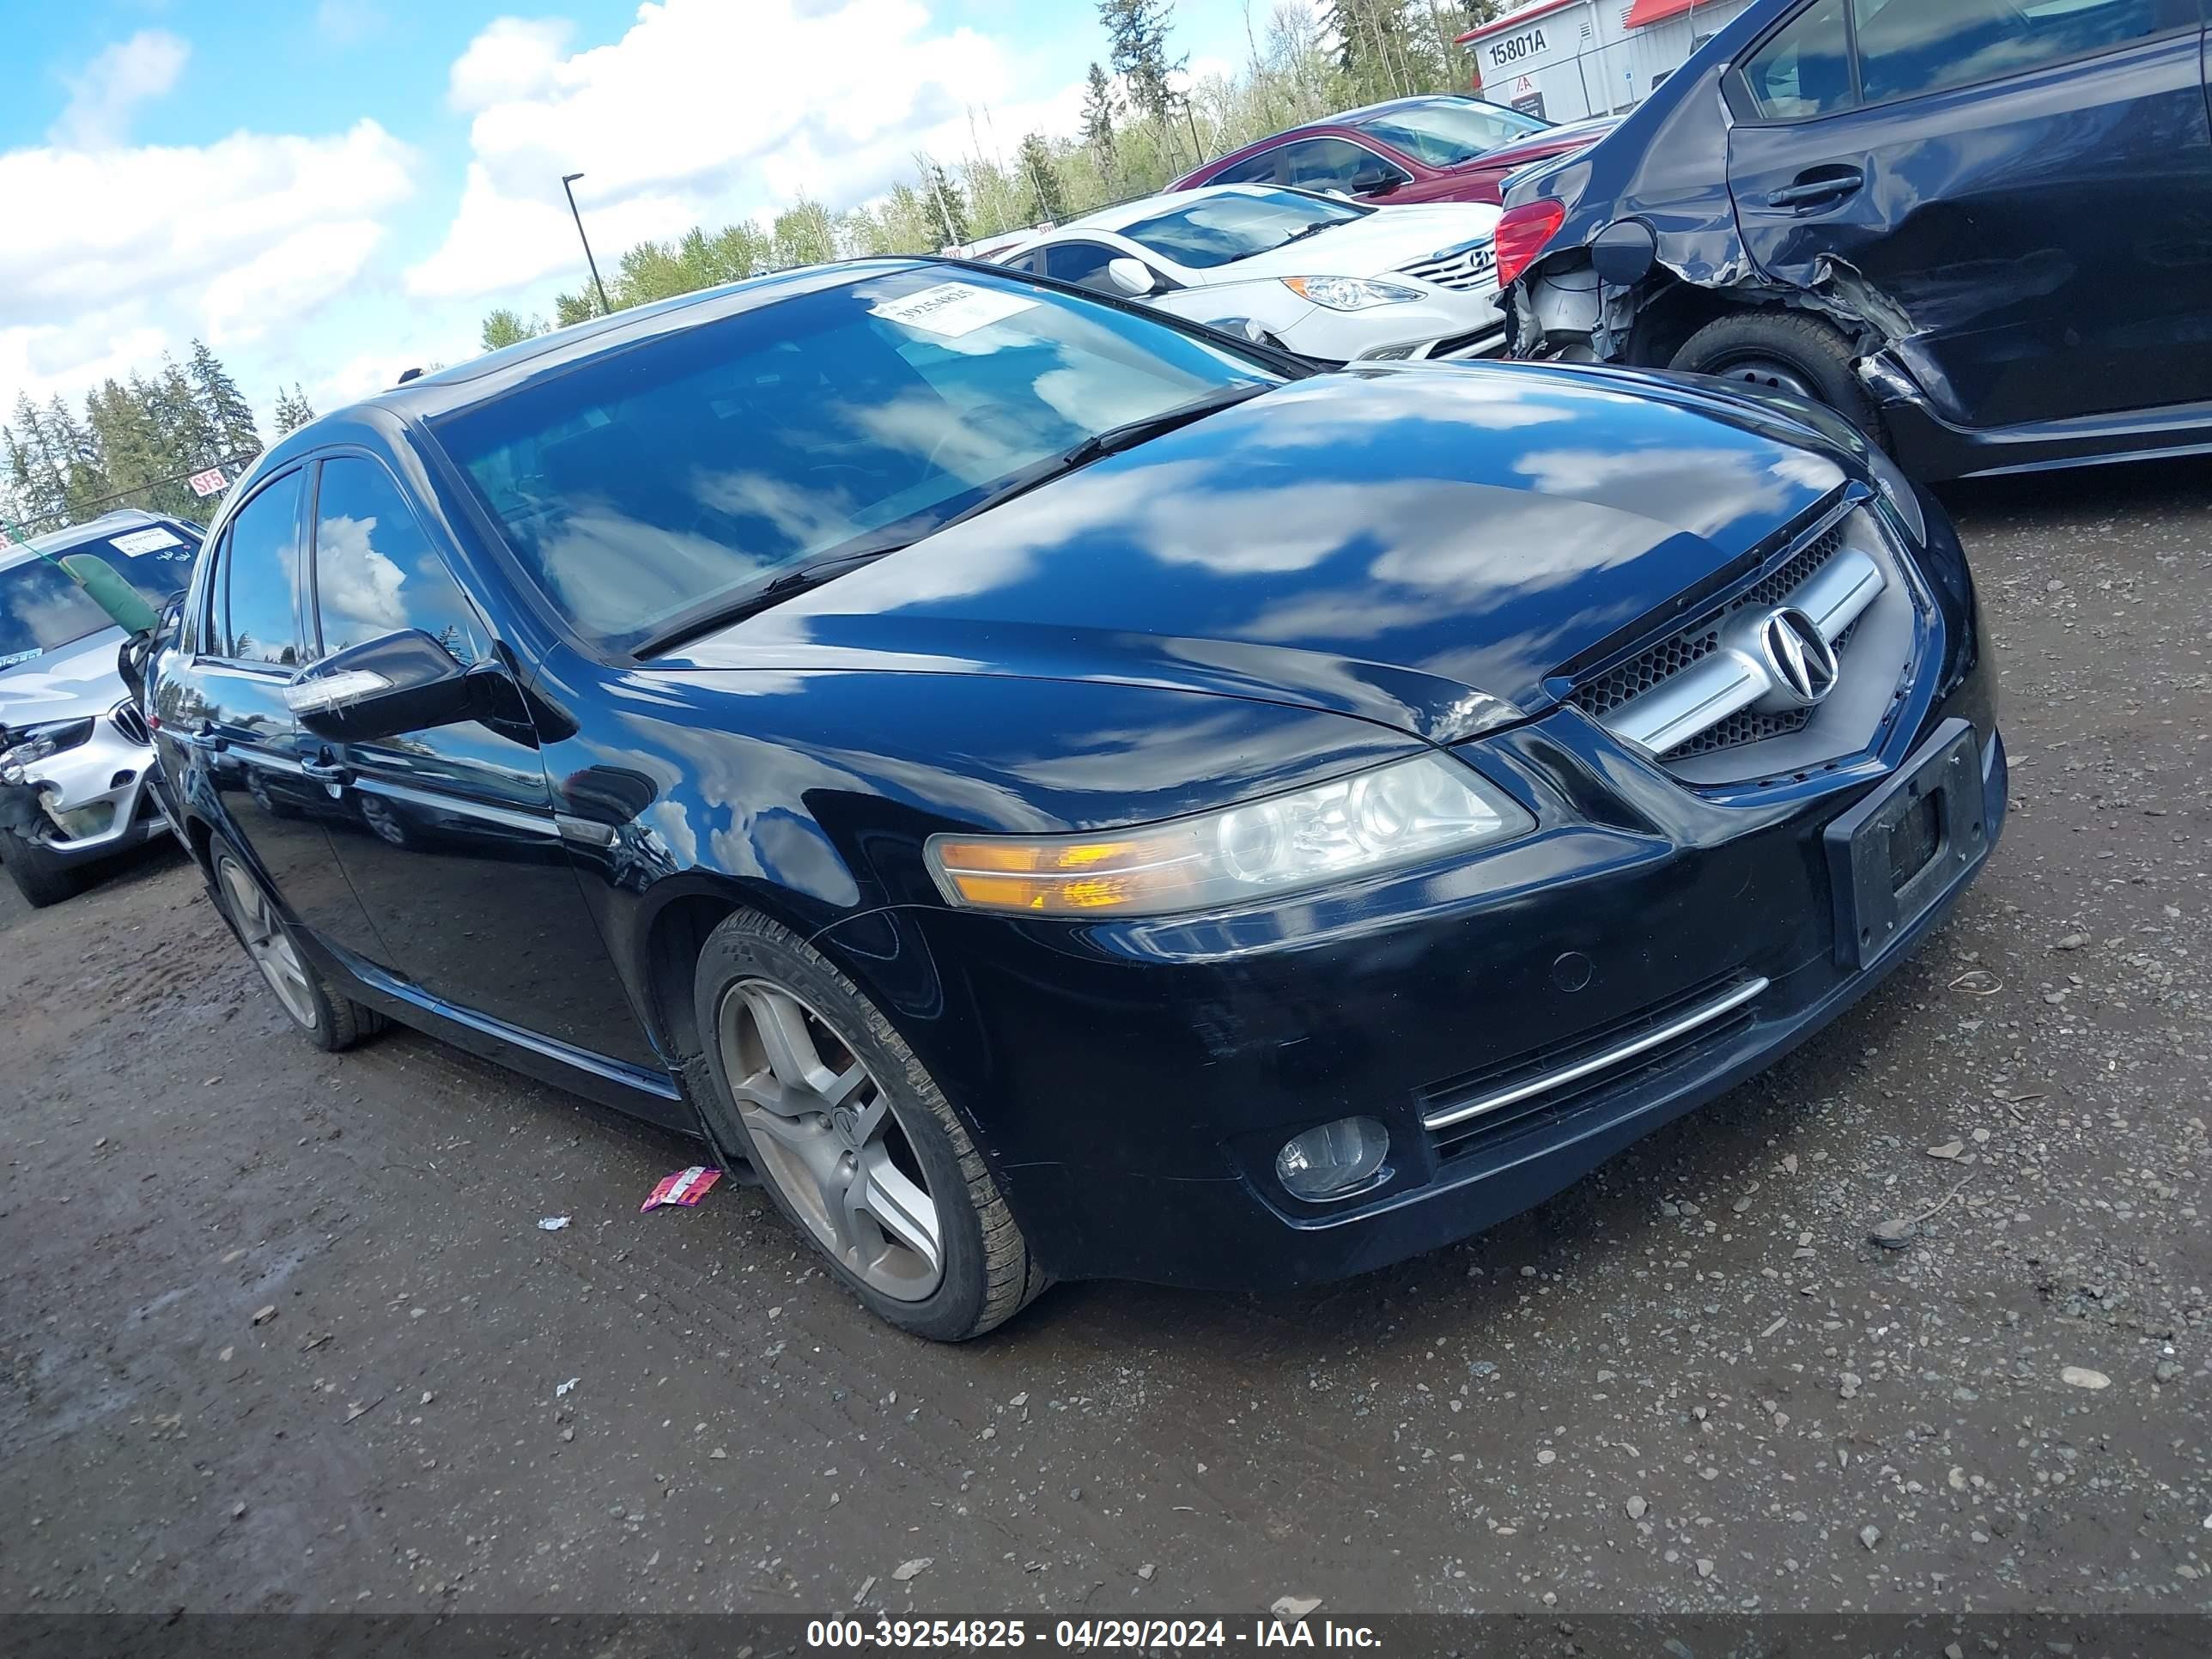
(78, 822)
(1331, 1159)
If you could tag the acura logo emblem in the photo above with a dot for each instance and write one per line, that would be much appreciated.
(1799, 661)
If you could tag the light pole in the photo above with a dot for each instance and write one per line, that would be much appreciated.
(567, 180)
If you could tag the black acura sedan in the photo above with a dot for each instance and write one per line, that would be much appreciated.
(1061, 793)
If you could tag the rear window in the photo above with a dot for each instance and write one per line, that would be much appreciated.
(41, 610)
(643, 487)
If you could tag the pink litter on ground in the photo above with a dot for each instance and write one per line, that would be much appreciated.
(686, 1186)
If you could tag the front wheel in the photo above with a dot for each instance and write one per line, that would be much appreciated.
(854, 1139)
(40, 877)
(1784, 351)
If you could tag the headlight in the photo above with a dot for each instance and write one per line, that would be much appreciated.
(1350, 293)
(35, 743)
(1404, 814)
(1897, 489)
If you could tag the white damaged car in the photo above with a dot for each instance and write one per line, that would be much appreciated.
(74, 751)
(1326, 278)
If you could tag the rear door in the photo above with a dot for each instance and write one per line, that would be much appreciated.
(2021, 188)
(447, 834)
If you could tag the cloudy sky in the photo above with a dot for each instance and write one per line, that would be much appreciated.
(329, 191)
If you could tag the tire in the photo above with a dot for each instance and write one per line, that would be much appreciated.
(40, 877)
(317, 1011)
(1789, 351)
(893, 1123)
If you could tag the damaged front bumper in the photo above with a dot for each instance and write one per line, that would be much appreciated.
(88, 801)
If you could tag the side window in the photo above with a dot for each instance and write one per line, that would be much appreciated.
(1805, 70)
(1080, 262)
(260, 572)
(377, 573)
(1907, 47)
(1329, 164)
(1252, 170)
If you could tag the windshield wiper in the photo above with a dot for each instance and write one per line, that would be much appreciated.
(1112, 441)
(774, 591)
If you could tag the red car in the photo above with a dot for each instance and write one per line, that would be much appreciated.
(1442, 147)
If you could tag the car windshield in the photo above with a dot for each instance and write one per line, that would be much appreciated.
(1444, 132)
(1220, 230)
(649, 485)
(41, 610)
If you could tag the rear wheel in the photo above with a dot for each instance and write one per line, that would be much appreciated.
(38, 876)
(853, 1138)
(326, 1019)
(1786, 351)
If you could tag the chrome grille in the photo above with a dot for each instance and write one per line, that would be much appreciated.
(131, 724)
(1473, 268)
(1702, 688)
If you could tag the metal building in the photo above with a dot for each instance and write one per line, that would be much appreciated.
(1565, 59)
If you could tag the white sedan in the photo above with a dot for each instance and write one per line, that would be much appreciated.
(1329, 278)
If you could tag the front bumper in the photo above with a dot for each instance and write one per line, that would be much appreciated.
(1132, 1082)
(89, 802)
(1448, 323)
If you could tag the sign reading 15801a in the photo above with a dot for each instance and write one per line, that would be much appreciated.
(1514, 49)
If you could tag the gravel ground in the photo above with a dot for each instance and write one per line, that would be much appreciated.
(281, 1332)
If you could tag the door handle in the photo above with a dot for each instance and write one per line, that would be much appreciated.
(203, 737)
(1810, 190)
(327, 771)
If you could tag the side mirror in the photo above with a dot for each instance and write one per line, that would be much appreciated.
(400, 683)
(1131, 277)
(1374, 181)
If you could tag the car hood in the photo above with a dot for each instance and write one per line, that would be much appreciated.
(1406, 545)
(1386, 240)
(66, 683)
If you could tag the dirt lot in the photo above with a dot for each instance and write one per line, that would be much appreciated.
(1691, 1384)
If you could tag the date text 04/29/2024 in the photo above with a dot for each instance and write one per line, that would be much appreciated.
(1085, 1634)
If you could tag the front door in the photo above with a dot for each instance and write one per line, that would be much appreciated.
(448, 836)
(2021, 188)
(225, 709)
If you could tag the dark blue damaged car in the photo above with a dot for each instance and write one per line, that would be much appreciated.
(1982, 230)
(1060, 793)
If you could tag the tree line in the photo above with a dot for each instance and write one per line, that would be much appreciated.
(135, 443)
(1141, 129)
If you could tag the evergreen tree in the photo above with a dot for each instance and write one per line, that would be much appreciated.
(1048, 205)
(1137, 32)
(228, 415)
(40, 485)
(948, 214)
(1100, 107)
(293, 409)
(192, 441)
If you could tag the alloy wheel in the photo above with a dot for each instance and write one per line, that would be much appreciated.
(825, 1131)
(267, 942)
(382, 821)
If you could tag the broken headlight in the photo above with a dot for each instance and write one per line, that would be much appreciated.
(30, 745)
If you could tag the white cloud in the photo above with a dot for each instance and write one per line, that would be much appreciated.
(128, 74)
(115, 255)
(705, 111)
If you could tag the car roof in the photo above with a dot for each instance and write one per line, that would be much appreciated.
(113, 523)
(429, 397)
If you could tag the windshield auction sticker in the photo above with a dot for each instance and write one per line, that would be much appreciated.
(951, 309)
(145, 541)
